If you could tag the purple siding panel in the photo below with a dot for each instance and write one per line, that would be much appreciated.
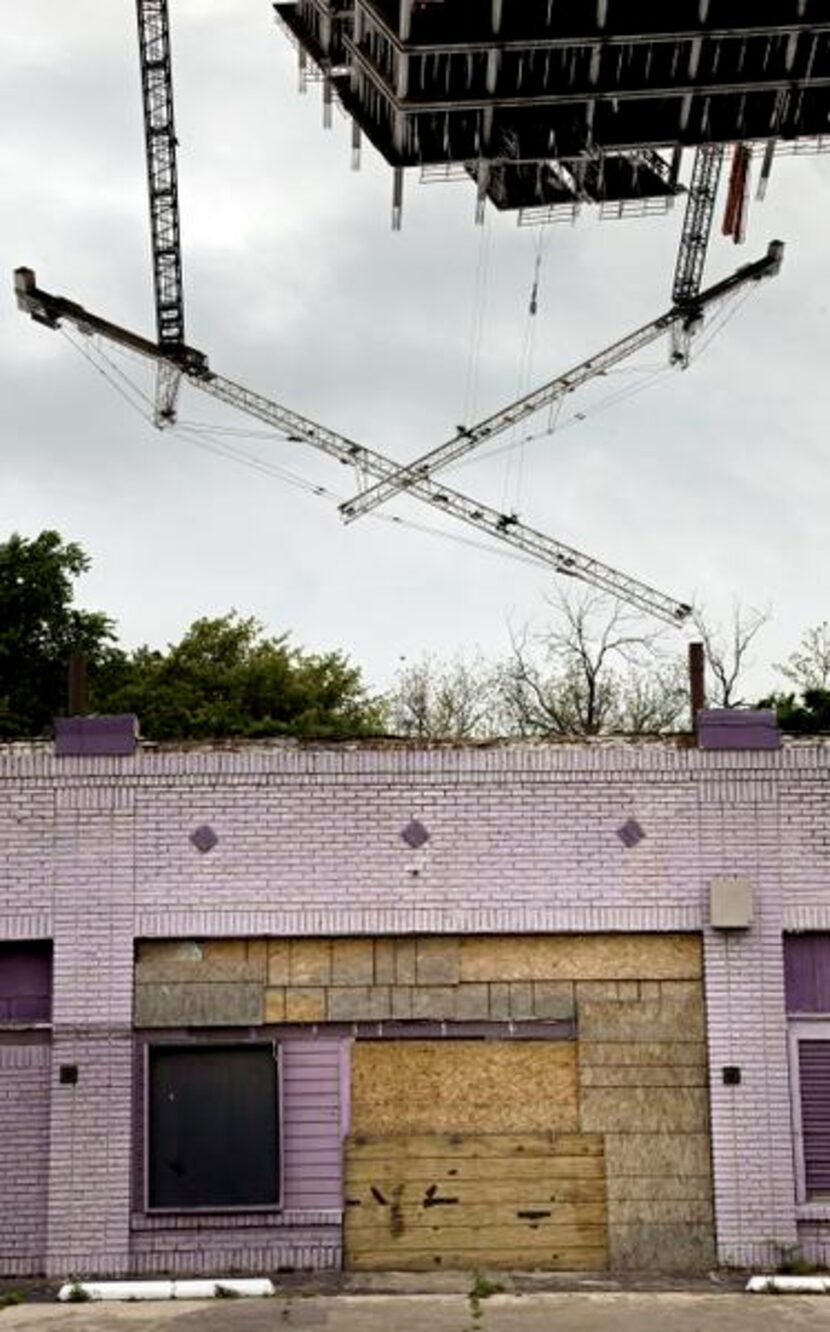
(312, 1136)
(814, 1079)
(25, 982)
(807, 973)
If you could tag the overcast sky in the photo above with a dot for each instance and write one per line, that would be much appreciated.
(711, 485)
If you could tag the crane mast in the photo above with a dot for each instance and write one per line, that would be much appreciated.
(160, 143)
(697, 222)
(684, 317)
(505, 528)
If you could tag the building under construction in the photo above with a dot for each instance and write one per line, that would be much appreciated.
(551, 104)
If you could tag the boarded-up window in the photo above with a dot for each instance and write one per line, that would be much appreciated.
(814, 1080)
(213, 1127)
(25, 982)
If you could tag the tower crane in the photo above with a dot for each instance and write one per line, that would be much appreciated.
(682, 320)
(160, 144)
(53, 310)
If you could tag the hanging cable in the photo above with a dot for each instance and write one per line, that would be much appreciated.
(514, 472)
(477, 322)
(201, 438)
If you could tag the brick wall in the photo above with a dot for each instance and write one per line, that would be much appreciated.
(24, 1156)
(97, 851)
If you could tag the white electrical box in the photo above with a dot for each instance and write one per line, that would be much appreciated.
(731, 903)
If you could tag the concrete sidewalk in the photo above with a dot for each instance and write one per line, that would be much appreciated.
(576, 1312)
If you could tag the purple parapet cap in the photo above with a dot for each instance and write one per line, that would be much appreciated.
(415, 834)
(204, 838)
(738, 728)
(76, 736)
(630, 833)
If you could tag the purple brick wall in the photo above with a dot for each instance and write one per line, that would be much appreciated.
(522, 838)
(24, 1156)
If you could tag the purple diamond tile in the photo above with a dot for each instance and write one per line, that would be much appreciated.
(414, 834)
(204, 838)
(630, 833)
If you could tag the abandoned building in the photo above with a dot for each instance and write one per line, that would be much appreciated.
(271, 1006)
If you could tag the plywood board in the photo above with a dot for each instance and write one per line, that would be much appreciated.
(581, 957)
(380, 1147)
(446, 1210)
(565, 1167)
(656, 1110)
(412, 1087)
(493, 1192)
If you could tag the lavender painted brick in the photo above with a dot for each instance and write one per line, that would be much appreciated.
(76, 736)
(24, 1157)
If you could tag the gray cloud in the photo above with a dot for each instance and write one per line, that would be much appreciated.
(711, 483)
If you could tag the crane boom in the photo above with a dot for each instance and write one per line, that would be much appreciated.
(684, 316)
(160, 144)
(504, 528)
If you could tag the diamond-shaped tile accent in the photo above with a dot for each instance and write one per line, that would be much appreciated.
(204, 838)
(414, 834)
(630, 833)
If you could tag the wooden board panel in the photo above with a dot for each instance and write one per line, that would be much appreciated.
(564, 1167)
(479, 1237)
(403, 1087)
(450, 1200)
(556, 1258)
(448, 1210)
(525, 1193)
(379, 1147)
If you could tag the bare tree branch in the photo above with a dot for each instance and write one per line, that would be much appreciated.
(727, 650)
(809, 666)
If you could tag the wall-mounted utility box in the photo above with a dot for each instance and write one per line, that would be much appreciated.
(731, 903)
(738, 728)
(75, 736)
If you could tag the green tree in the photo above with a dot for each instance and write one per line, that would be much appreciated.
(226, 679)
(40, 628)
(807, 715)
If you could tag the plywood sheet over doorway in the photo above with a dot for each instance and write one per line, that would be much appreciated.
(428, 1201)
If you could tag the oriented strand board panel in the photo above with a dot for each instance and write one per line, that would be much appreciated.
(581, 957)
(406, 1087)
(475, 1200)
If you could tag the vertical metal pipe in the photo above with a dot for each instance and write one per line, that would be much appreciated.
(697, 680)
(78, 698)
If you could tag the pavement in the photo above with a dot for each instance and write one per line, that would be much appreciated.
(543, 1311)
